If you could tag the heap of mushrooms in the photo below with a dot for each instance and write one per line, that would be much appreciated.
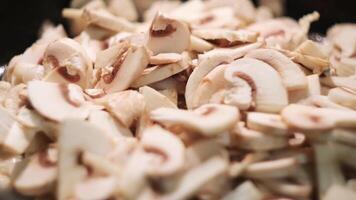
(215, 99)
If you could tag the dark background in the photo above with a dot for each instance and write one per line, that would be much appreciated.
(20, 20)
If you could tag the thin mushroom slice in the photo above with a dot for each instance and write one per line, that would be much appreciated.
(165, 58)
(343, 97)
(120, 66)
(343, 38)
(279, 168)
(160, 72)
(123, 8)
(346, 136)
(199, 45)
(209, 119)
(154, 99)
(289, 189)
(267, 123)
(40, 174)
(292, 76)
(256, 141)
(88, 138)
(68, 100)
(66, 61)
(308, 118)
(337, 81)
(168, 146)
(96, 188)
(246, 190)
(339, 192)
(322, 102)
(225, 37)
(106, 20)
(168, 35)
(313, 89)
(267, 87)
(208, 61)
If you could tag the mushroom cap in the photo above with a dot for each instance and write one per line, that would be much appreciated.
(53, 101)
(292, 76)
(168, 35)
(208, 120)
(270, 93)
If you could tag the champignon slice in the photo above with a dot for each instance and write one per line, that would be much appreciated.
(343, 96)
(313, 89)
(337, 81)
(267, 123)
(165, 58)
(120, 65)
(161, 72)
(25, 72)
(246, 190)
(57, 102)
(39, 175)
(168, 35)
(96, 188)
(67, 62)
(106, 20)
(322, 102)
(257, 141)
(209, 119)
(126, 106)
(279, 168)
(154, 99)
(339, 192)
(288, 189)
(346, 136)
(267, 87)
(292, 76)
(168, 146)
(343, 37)
(199, 45)
(75, 138)
(308, 118)
(123, 8)
(225, 37)
(208, 62)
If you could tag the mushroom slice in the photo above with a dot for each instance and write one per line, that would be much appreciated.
(75, 138)
(106, 20)
(168, 146)
(25, 72)
(165, 58)
(343, 37)
(120, 66)
(343, 96)
(67, 62)
(225, 37)
(199, 45)
(313, 89)
(96, 188)
(168, 35)
(339, 192)
(208, 62)
(322, 102)
(154, 99)
(267, 87)
(197, 177)
(308, 118)
(267, 123)
(161, 72)
(40, 174)
(345, 136)
(246, 190)
(279, 168)
(68, 100)
(256, 141)
(171, 94)
(209, 119)
(337, 81)
(292, 76)
(123, 8)
(126, 106)
(288, 189)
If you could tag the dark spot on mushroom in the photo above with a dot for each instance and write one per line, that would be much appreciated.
(64, 73)
(206, 19)
(108, 78)
(163, 32)
(44, 160)
(251, 83)
(51, 61)
(314, 118)
(225, 43)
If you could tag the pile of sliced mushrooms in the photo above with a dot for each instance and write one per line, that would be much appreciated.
(163, 100)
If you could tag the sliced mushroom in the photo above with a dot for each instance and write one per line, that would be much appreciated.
(307, 118)
(25, 72)
(337, 81)
(292, 76)
(343, 37)
(313, 89)
(168, 35)
(257, 141)
(171, 94)
(267, 123)
(269, 93)
(120, 65)
(209, 61)
(96, 188)
(346, 136)
(106, 20)
(154, 99)
(209, 119)
(126, 106)
(164, 7)
(16, 97)
(39, 175)
(160, 72)
(339, 192)
(165, 58)
(246, 190)
(123, 8)
(199, 45)
(168, 146)
(322, 102)
(67, 62)
(88, 138)
(343, 96)
(288, 189)
(68, 100)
